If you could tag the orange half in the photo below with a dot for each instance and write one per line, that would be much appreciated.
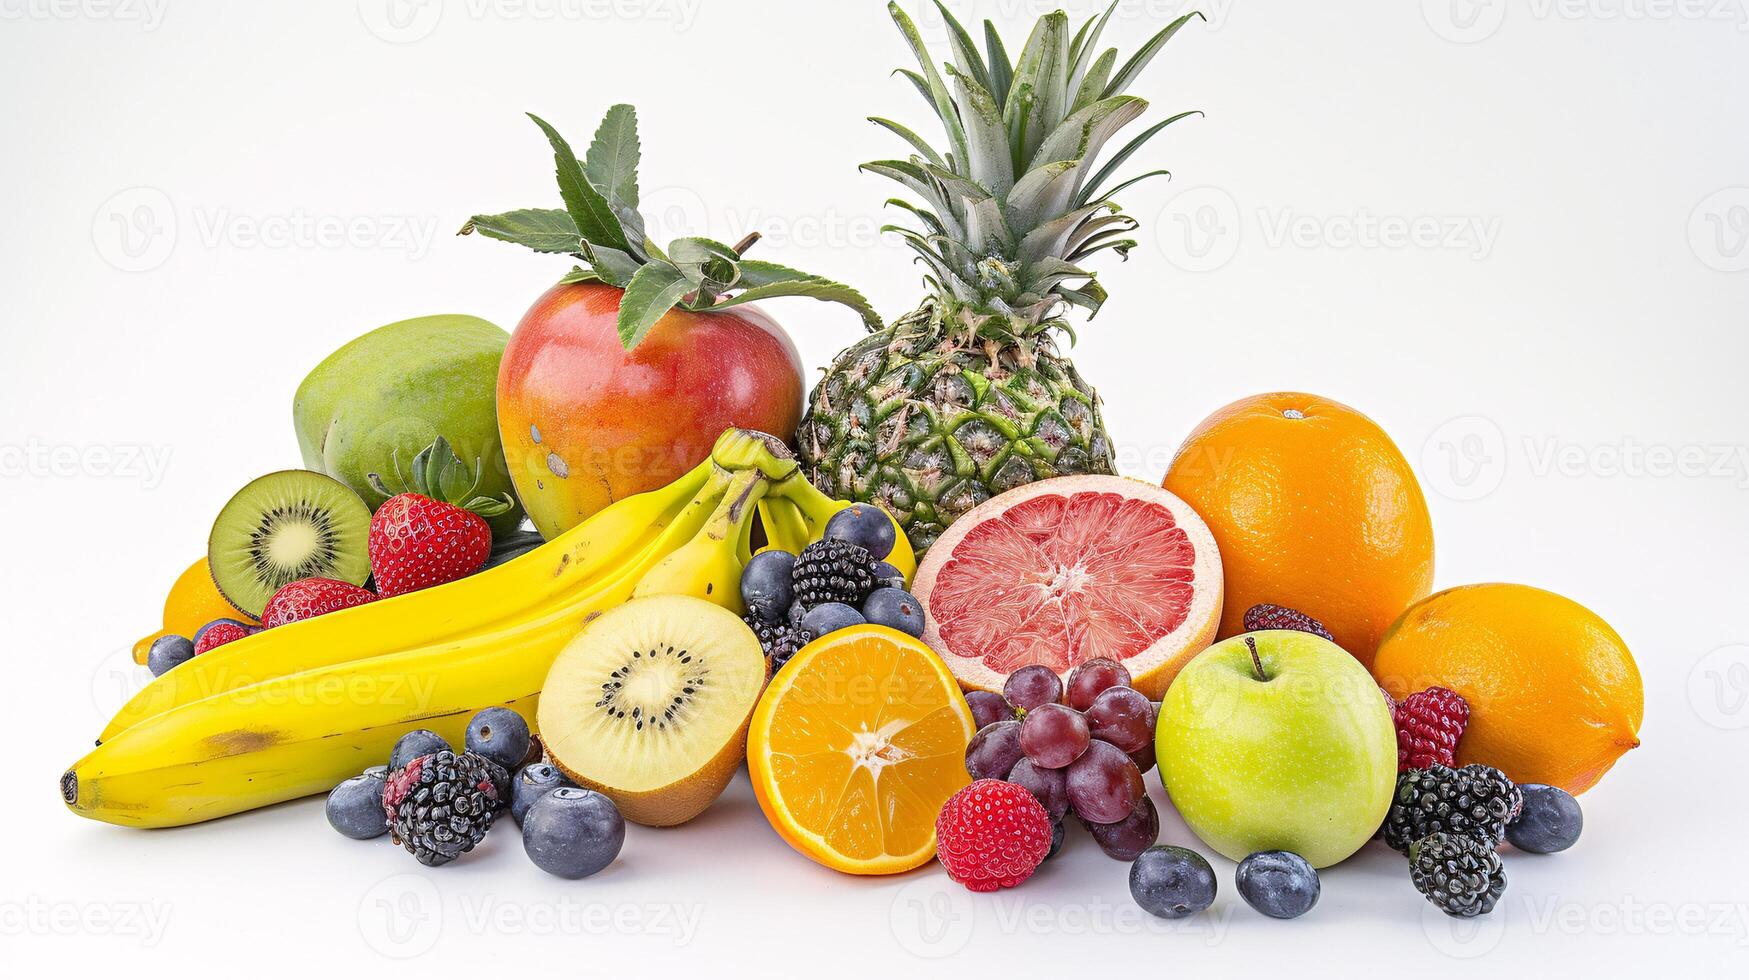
(854, 748)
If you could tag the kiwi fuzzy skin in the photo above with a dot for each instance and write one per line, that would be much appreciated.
(681, 800)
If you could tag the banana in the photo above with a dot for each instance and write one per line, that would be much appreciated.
(785, 527)
(302, 733)
(709, 566)
(559, 571)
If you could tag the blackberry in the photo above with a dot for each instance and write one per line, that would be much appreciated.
(780, 641)
(440, 805)
(1475, 801)
(1460, 875)
(834, 571)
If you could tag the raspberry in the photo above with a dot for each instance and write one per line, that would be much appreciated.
(991, 835)
(1429, 724)
(1264, 616)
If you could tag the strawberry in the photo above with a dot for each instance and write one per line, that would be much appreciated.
(422, 537)
(310, 597)
(221, 632)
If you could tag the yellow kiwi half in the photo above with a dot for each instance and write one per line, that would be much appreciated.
(649, 705)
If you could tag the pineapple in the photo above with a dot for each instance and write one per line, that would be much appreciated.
(969, 394)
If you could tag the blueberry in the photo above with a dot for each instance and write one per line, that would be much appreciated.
(1280, 884)
(896, 608)
(167, 652)
(1550, 821)
(828, 617)
(415, 744)
(532, 783)
(765, 584)
(500, 735)
(355, 807)
(1172, 882)
(202, 631)
(865, 525)
(888, 575)
(572, 832)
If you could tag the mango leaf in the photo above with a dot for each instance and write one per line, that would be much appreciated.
(612, 160)
(778, 281)
(711, 267)
(542, 229)
(595, 219)
(652, 292)
(611, 264)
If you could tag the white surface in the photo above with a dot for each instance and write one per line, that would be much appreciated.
(1569, 382)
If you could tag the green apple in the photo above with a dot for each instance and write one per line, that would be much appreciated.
(1278, 740)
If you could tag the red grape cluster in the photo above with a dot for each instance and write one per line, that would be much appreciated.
(1083, 749)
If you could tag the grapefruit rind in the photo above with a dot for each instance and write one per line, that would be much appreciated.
(1070, 568)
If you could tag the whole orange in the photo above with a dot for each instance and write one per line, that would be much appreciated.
(193, 602)
(1313, 508)
(1554, 694)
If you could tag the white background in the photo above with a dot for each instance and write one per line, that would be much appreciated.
(1565, 370)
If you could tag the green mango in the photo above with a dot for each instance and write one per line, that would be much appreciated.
(372, 405)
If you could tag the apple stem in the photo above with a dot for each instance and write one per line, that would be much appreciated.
(744, 244)
(1256, 661)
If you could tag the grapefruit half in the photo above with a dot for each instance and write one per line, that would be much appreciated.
(1064, 570)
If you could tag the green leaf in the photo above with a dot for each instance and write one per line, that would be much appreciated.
(595, 219)
(937, 89)
(1042, 193)
(711, 267)
(612, 160)
(988, 162)
(1082, 134)
(579, 274)
(1086, 42)
(612, 265)
(814, 287)
(910, 137)
(654, 291)
(1039, 75)
(1092, 186)
(1140, 59)
(965, 53)
(542, 229)
(1120, 188)
(1094, 83)
(1001, 69)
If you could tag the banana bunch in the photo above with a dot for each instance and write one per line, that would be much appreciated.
(294, 710)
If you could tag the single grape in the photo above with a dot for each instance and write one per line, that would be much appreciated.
(1280, 884)
(1053, 736)
(830, 617)
(1172, 882)
(1092, 677)
(766, 588)
(1123, 717)
(1031, 686)
(864, 525)
(1144, 759)
(994, 751)
(1049, 786)
(1129, 837)
(988, 708)
(1104, 785)
(895, 608)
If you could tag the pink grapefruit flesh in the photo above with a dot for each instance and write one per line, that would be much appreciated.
(1064, 570)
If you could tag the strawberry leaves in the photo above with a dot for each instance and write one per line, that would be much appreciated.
(600, 226)
(438, 473)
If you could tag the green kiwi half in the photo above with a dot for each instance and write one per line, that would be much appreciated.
(286, 526)
(650, 703)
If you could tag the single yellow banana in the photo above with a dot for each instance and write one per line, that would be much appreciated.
(584, 557)
(709, 566)
(785, 527)
(301, 734)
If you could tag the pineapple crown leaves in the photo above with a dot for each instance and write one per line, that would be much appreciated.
(600, 226)
(1014, 204)
(438, 473)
